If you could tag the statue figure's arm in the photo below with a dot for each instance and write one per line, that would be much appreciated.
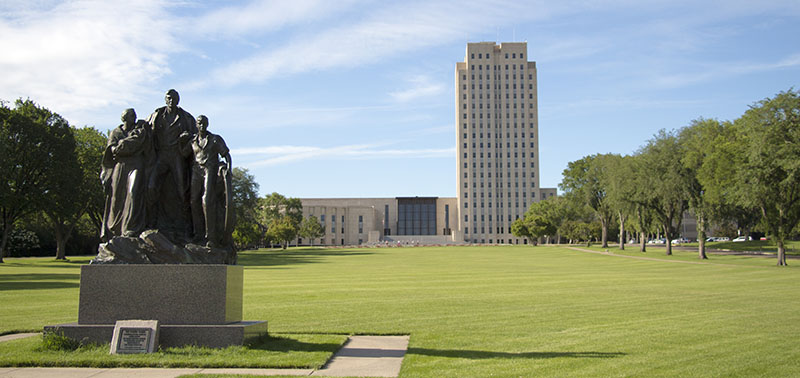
(132, 144)
(185, 144)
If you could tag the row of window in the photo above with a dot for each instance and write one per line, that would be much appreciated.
(497, 76)
(333, 223)
(500, 174)
(508, 125)
(500, 194)
(498, 116)
(497, 86)
(497, 204)
(499, 185)
(497, 145)
(488, 56)
(496, 67)
(496, 135)
(497, 105)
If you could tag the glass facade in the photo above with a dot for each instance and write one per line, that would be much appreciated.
(416, 216)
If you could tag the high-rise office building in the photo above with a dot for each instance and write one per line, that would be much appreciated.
(498, 139)
(498, 165)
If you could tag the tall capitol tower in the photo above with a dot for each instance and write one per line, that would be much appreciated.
(498, 140)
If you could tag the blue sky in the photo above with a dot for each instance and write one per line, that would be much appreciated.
(355, 98)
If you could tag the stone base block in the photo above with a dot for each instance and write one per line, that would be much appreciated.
(212, 336)
(171, 294)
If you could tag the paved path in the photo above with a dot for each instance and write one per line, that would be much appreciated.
(362, 356)
(15, 336)
(367, 356)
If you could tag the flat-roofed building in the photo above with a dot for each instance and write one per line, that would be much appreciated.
(356, 221)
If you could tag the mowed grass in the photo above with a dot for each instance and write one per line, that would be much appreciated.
(505, 310)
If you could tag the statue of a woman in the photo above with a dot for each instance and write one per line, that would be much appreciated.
(123, 178)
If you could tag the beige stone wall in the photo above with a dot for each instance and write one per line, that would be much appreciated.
(372, 213)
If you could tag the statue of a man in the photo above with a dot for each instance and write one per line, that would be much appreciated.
(211, 213)
(123, 178)
(171, 127)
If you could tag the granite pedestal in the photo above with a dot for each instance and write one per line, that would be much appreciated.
(194, 304)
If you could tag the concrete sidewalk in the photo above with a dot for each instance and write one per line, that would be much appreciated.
(362, 356)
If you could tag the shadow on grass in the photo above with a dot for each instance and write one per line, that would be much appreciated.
(34, 281)
(272, 258)
(479, 354)
(285, 344)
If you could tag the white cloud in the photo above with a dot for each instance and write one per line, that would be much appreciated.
(717, 70)
(265, 16)
(421, 86)
(385, 32)
(277, 155)
(84, 54)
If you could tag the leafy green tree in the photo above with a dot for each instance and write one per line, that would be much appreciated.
(620, 187)
(89, 146)
(664, 182)
(520, 229)
(282, 230)
(311, 228)
(34, 145)
(769, 176)
(76, 187)
(277, 209)
(247, 232)
(586, 179)
(702, 189)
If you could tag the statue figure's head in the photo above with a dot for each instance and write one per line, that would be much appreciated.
(202, 123)
(172, 98)
(128, 116)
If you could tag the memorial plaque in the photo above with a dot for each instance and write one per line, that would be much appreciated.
(135, 336)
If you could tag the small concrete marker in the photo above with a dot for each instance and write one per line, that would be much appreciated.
(367, 356)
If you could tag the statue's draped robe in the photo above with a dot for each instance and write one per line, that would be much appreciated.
(125, 180)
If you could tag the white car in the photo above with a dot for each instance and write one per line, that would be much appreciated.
(742, 238)
(718, 239)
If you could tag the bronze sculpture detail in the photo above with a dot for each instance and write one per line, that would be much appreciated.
(168, 195)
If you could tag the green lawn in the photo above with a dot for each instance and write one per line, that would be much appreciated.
(503, 311)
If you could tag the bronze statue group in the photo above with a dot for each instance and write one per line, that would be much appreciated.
(165, 173)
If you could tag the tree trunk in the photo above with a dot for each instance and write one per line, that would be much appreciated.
(558, 238)
(604, 233)
(668, 236)
(642, 242)
(621, 231)
(61, 240)
(701, 237)
(781, 253)
(4, 242)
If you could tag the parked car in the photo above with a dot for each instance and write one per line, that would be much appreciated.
(681, 241)
(718, 239)
(742, 238)
(657, 241)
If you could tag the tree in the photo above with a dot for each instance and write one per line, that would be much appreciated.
(277, 209)
(698, 141)
(76, 186)
(33, 146)
(247, 232)
(520, 230)
(282, 230)
(665, 182)
(541, 220)
(586, 179)
(620, 187)
(311, 228)
(89, 146)
(769, 176)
